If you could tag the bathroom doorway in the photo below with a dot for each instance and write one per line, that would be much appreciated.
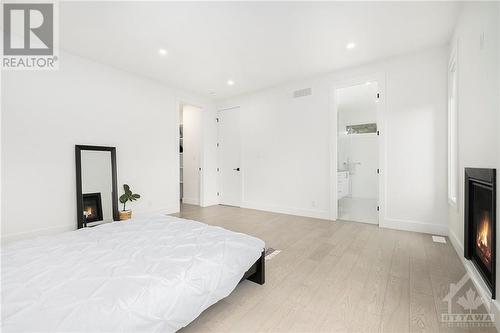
(358, 153)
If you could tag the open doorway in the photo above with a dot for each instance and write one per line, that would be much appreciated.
(358, 153)
(190, 122)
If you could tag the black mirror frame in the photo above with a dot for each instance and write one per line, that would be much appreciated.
(79, 194)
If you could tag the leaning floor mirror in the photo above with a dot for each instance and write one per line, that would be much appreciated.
(96, 194)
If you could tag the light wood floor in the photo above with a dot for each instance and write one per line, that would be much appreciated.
(334, 277)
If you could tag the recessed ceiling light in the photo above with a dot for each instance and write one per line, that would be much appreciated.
(350, 46)
(230, 82)
(162, 52)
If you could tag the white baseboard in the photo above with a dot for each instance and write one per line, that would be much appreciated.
(210, 203)
(319, 214)
(69, 227)
(456, 243)
(416, 226)
(37, 233)
(147, 213)
(492, 306)
(495, 310)
(191, 201)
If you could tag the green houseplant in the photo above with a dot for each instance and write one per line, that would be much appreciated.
(124, 198)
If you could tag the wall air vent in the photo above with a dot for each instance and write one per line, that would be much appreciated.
(302, 92)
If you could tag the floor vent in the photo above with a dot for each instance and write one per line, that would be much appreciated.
(302, 92)
(439, 239)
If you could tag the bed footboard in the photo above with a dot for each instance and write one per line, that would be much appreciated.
(257, 273)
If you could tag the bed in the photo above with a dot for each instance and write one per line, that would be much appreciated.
(146, 275)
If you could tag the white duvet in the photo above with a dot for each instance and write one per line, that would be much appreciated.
(150, 275)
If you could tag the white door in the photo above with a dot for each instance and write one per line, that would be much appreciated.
(229, 157)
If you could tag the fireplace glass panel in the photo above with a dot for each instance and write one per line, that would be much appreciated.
(482, 217)
(92, 207)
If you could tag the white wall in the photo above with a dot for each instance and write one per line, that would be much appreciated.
(286, 149)
(97, 177)
(478, 108)
(44, 114)
(478, 138)
(192, 124)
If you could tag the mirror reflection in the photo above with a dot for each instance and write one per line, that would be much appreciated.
(96, 185)
(97, 189)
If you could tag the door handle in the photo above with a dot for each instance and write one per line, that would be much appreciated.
(237, 169)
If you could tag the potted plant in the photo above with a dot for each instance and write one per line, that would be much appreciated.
(127, 196)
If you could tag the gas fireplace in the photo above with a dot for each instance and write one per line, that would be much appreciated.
(480, 225)
(92, 207)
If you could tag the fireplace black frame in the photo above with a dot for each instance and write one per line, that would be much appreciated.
(485, 178)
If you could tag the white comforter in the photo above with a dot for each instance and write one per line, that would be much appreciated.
(150, 275)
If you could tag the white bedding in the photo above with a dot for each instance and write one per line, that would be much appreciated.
(149, 275)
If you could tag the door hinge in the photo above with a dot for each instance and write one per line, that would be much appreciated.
(217, 119)
(378, 171)
(378, 132)
(378, 95)
(218, 169)
(218, 193)
(217, 144)
(378, 208)
(199, 169)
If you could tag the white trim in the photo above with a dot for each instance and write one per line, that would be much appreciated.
(210, 203)
(415, 226)
(380, 78)
(453, 141)
(314, 213)
(148, 213)
(179, 104)
(37, 233)
(495, 310)
(64, 228)
(457, 244)
(453, 203)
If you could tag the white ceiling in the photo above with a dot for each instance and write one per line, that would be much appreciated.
(256, 44)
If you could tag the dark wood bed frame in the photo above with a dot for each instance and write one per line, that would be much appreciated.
(257, 273)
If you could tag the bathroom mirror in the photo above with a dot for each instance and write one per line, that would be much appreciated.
(96, 194)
